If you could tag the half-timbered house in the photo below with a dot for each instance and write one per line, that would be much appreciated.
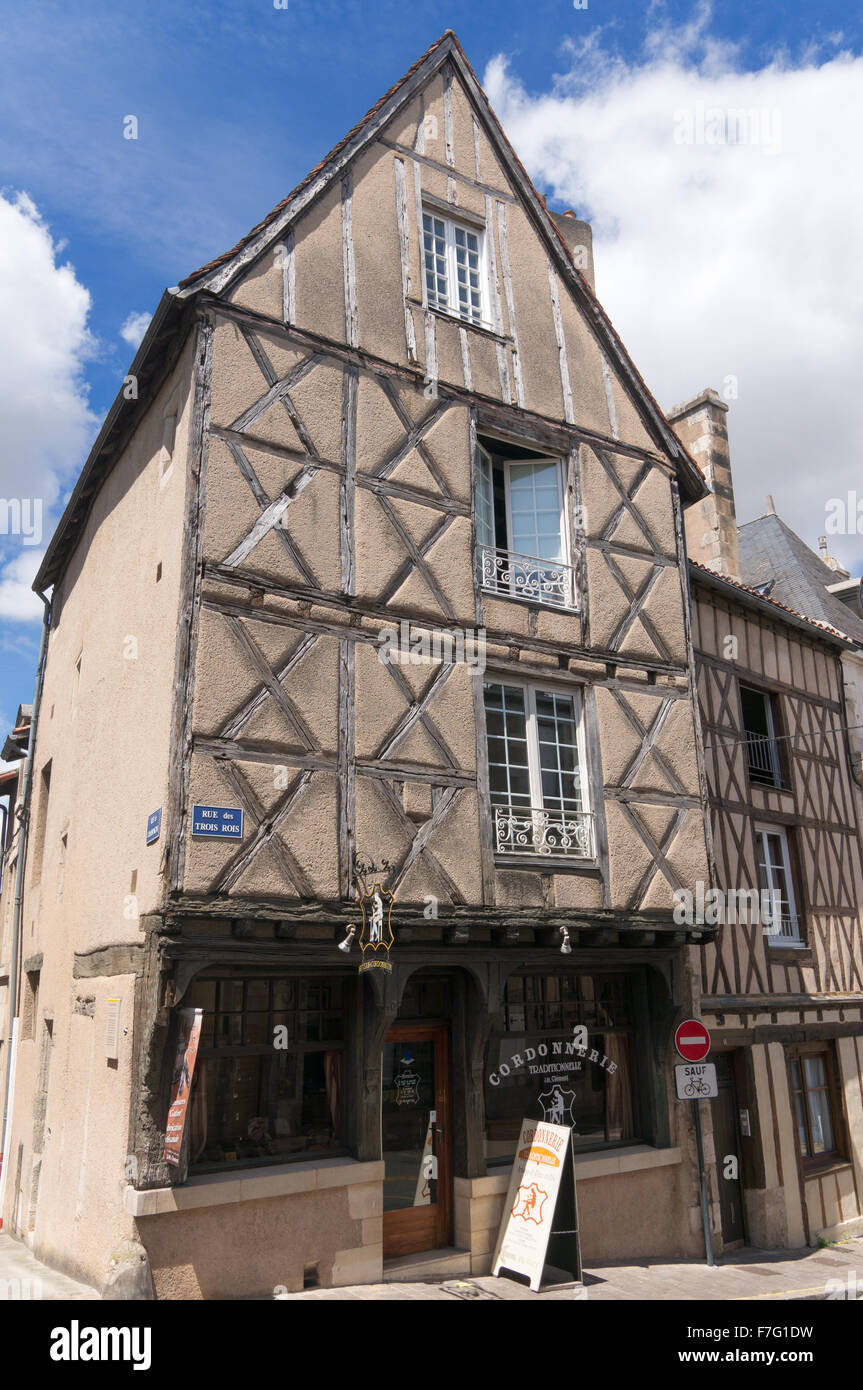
(373, 587)
(781, 986)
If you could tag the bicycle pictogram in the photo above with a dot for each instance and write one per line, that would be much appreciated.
(697, 1087)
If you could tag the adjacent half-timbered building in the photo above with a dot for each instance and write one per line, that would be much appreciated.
(369, 644)
(782, 984)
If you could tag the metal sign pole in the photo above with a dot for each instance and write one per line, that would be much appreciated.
(702, 1178)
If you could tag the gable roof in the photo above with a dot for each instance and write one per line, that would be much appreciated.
(770, 550)
(175, 312)
(752, 598)
(220, 273)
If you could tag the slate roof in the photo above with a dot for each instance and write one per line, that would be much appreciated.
(771, 550)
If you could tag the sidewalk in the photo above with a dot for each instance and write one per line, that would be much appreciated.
(22, 1276)
(835, 1270)
(752, 1275)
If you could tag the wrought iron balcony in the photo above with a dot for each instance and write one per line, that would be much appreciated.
(763, 756)
(533, 830)
(510, 575)
(784, 930)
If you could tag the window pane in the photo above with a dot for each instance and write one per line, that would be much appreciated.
(434, 247)
(534, 504)
(509, 777)
(283, 994)
(230, 995)
(558, 753)
(801, 1126)
(484, 500)
(256, 1029)
(467, 274)
(820, 1122)
(259, 1106)
(534, 1069)
(258, 994)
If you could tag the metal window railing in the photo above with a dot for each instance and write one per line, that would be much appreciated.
(511, 575)
(534, 830)
(784, 928)
(763, 755)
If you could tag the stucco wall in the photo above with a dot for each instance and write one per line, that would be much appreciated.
(106, 734)
(467, 177)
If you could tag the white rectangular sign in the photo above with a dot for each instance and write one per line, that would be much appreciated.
(696, 1081)
(533, 1186)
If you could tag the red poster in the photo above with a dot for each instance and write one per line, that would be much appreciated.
(181, 1085)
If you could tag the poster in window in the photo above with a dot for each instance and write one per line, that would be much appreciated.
(181, 1085)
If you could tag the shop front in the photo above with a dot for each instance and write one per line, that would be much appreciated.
(339, 1124)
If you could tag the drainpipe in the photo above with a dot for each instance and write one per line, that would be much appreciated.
(24, 822)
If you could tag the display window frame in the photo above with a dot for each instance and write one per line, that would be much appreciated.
(548, 1034)
(238, 980)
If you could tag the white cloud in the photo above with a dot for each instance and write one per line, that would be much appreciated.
(720, 260)
(44, 345)
(134, 328)
(18, 603)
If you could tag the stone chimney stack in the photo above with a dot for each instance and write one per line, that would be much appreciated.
(578, 236)
(711, 525)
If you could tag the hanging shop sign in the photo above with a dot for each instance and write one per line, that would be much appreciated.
(540, 1216)
(221, 821)
(181, 1085)
(376, 933)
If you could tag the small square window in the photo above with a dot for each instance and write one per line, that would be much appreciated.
(453, 266)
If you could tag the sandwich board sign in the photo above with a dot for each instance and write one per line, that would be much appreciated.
(539, 1225)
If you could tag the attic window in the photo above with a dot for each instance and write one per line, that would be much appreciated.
(453, 266)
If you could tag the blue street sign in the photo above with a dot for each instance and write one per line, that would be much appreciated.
(217, 820)
(154, 826)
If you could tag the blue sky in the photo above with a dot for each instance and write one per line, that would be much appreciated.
(236, 101)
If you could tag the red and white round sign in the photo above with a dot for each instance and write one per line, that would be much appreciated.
(692, 1040)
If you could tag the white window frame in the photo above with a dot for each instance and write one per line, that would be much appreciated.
(767, 828)
(452, 306)
(563, 519)
(534, 768)
(561, 504)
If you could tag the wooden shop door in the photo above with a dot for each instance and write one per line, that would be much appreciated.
(415, 1134)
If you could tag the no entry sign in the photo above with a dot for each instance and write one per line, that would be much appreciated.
(692, 1040)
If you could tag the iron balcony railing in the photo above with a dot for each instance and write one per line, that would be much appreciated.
(784, 928)
(763, 755)
(526, 576)
(534, 830)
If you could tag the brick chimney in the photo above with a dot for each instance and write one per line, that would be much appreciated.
(711, 525)
(578, 236)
